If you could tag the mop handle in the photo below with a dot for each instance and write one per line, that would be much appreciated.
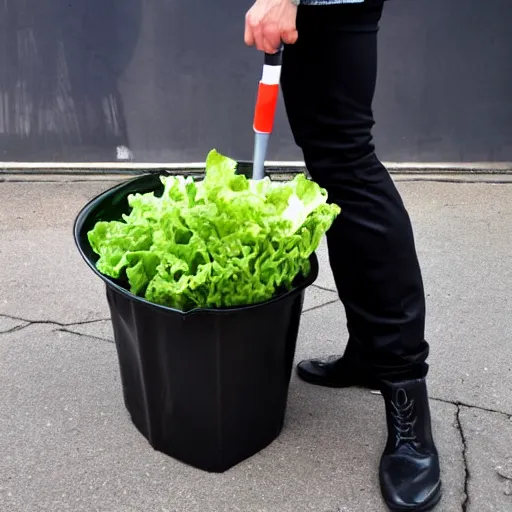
(264, 114)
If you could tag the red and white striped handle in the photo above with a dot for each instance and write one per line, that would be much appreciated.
(268, 93)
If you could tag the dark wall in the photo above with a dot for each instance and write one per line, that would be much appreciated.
(172, 79)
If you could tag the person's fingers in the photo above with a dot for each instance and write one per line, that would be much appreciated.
(248, 35)
(288, 28)
(269, 47)
(257, 33)
(267, 26)
(272, 36)
(290, 36)
(253, 30)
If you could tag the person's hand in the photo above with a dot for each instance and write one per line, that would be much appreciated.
(269, 23)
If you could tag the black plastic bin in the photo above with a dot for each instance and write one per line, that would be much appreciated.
(207, 387)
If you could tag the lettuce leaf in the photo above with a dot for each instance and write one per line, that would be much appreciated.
(220, 242)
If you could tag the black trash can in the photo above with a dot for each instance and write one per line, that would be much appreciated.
(208, 387)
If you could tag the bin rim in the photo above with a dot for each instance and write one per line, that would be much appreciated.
(110, 282)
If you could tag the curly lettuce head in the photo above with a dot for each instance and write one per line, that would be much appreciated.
(221, 242)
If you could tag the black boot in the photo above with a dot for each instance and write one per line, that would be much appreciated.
(339, 371)
(409, 468)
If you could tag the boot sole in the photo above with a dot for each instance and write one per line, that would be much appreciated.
(321, 381)
(426, 507)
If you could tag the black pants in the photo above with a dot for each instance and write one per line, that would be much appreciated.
(328, 83)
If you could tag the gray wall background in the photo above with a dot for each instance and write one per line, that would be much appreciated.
(171, 79)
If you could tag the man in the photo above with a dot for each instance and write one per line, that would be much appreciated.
(328, 81)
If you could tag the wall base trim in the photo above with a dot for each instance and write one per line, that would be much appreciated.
(277, 168)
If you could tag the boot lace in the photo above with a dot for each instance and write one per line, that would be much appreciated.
(403, 414)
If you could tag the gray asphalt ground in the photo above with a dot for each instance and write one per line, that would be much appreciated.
(66, 441)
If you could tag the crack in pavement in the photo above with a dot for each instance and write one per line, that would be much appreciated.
(467, 475)
(458, 403)
(85, 322)
(59, 328)
(48, 322)
(99, 338)
(324, 288)
(14, 329)
(318, 306)
(28, 323)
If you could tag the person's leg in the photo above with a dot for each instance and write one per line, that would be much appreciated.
(328, 82)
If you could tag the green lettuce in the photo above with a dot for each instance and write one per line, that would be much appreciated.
(221, 242)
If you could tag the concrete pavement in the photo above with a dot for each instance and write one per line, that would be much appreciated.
(67, 442)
